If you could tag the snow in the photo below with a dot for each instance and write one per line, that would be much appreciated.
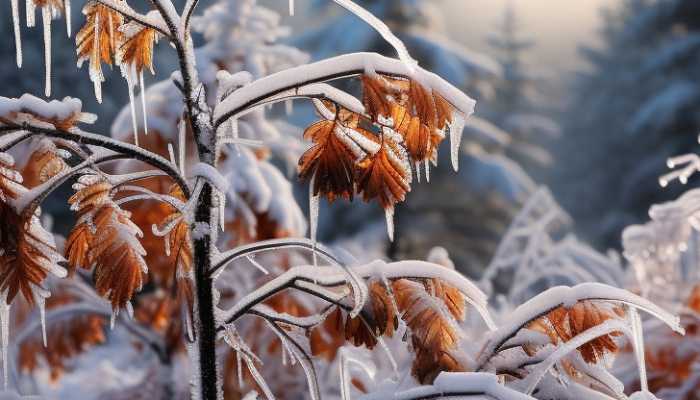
(211, 175)
(52, 110)
(452, 384)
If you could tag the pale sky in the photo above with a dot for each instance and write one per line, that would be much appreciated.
(557, 26)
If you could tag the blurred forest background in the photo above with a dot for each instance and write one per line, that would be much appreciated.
(588, 98)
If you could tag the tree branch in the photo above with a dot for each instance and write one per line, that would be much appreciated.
(117, 146)
(128, 12)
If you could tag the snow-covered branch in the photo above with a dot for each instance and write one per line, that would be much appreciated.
(124, 9)
(331, 69)
(566, 297)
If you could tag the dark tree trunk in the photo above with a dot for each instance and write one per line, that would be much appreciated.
(205, 322)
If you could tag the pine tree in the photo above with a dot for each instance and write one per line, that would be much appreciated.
(631, 110)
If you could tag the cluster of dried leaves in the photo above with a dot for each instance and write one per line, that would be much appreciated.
(107, 38)
(564, 323)
(27, 251)
(373, 154)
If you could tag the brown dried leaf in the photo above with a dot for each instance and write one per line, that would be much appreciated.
(28, 253)
(136, 50)
(564, 323)
(433, 335)
(116, 254)
(385, 175)
(98, 39)
(43, 164)
(330, 162)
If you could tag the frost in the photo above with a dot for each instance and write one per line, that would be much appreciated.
(200, 230)
(211, 175)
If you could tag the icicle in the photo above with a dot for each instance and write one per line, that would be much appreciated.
(113, 318)
(46, 17)
(288, 107)
(456, 128)
(181, 145)
(96, 75)
(234, 133)
(239, 369)
(638, 344)
(41, 304)
(313, 217)
(66, 12)
(427, 171)
(418, 171)
(128, 76)
(4, 335)
(18, 36)
(129, 310)
(251, 259)
(31, 13)
(171, 153)
(291, 8)
(389, 214)
(143, 103)
(222, 211)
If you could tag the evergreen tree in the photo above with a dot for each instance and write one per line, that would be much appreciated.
(632, 109)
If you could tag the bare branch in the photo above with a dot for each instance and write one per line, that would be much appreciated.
(81, 137)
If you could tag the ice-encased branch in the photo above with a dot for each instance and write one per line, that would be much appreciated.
(568, 296)
(330, 277)
(331, 69)
(453, 384)
(81, 137)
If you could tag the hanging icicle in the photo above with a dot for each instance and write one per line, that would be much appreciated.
(143, 103)
(127, 72)
(389, 214)
(181, 144)
(46, 17)
(638, 344)
(291, 7)
(313, 217)
(66, 12)
(4, 335)
(18, 36)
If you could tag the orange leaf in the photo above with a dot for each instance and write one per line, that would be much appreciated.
(98, 39)
(136, 50)
(330, 161)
